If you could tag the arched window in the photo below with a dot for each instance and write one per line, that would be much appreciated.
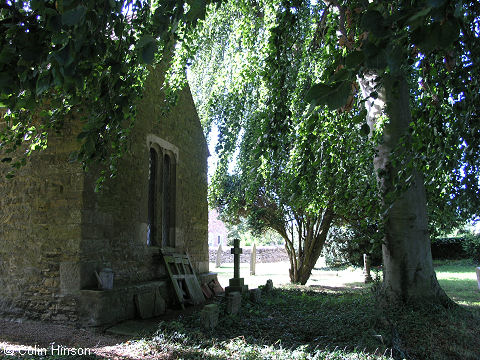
(168, 200)
(152, 197)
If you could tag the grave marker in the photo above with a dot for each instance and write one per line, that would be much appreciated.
(366, 268)
(218, 261)
(478, 277)
(236, 283)
(253, 260)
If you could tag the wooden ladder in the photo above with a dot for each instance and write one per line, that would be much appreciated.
(183, 278)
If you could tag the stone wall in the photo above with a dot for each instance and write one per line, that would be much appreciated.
(114, 230)
(55, 231)
(40, 228)
(267, 254)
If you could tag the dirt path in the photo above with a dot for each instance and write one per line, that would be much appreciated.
(40, 338)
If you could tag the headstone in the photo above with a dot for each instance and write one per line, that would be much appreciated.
(209, 316)
(269, 285)
(236, 283)
(234, 302)
(255, 295)
(478, 277)
(218, 261)
(207, 292)
(253, 260)
(366, 268)
(215, 286)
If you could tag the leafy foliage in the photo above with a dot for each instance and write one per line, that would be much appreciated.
(83, 62)
(295, 171)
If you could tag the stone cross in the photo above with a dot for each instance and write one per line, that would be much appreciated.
(218, 261)
(366, 268)
(478, 276)
(253, 259)
(236, 251)
(236, 283)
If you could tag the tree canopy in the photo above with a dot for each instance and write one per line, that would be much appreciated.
(306, 90)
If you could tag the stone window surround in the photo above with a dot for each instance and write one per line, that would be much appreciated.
(162, 146)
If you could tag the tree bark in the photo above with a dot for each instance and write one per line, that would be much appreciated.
(408, 268)
(301, 265)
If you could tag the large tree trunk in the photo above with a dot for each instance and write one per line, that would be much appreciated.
(408, 269)
(303, 260)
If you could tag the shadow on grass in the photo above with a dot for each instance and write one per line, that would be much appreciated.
(319, 318)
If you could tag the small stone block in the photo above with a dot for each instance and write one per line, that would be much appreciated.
(269, 285)
(478, 276)
(255, 295)
(234, 303)
(209, 316)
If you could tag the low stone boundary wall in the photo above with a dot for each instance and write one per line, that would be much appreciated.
(265, 254)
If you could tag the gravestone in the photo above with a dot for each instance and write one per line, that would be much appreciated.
(253, 260)
(218, 261)
(236, 283)
(234, 303)
(366, 268)
(478, 277)
(209, 316)
(255, 295)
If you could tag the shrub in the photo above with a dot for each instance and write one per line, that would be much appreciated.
(471, 246)
(346, 246)
(449, 248)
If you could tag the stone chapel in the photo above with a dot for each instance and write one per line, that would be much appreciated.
(56, 231)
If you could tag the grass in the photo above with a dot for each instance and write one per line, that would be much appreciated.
(335, 317)
(459, 280)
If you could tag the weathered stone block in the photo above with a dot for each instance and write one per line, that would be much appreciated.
(209, 316)
(255, 295)
(234, 303)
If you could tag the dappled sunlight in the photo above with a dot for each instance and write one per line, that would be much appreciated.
(278, 272)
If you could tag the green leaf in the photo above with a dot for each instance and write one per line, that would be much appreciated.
(74, 16)
(197, 10)
(435, 3)
(373, 22)
(334, 96)
(419, 15)
(43, 83)
(147, 46)
(354, 59)
(375, 57)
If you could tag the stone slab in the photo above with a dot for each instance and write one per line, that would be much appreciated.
(207, 292)
(478, 276)
(215, 286)
(97, 307)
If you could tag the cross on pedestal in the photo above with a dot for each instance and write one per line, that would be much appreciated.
(236, 283)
